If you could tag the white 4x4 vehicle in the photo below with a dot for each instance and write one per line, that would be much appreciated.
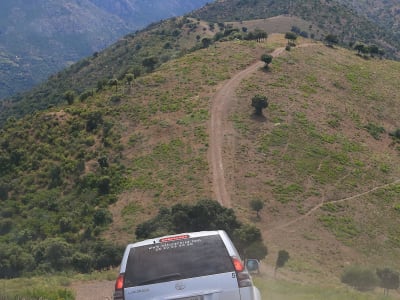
(190, 266)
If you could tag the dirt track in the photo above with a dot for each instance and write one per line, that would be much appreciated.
(95, 290)
(220, 127)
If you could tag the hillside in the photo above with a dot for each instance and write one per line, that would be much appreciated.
(158, 42)
(40, 38)
(174, 37)
(386, 13)
(321, 159)
(326, 17)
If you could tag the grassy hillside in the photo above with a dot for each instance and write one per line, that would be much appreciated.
(323, 144)
(160, 41)
(82, 176)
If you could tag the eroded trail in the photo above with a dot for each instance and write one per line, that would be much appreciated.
(219, 126)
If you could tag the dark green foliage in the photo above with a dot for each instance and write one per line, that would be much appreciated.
(150, 63)
(331, 40)
(204, 215)
(247, 240)
(206, 42)
(291, 37)
(259, 102)
(374, 130)
(113, 82)
(257, 34)
(362, 279)
(49, 203)
(396, 134)
(102, 217)
(69, 97)
(14, 260)
(389, 279)
(267, 59)
(283, 257)
(257, 205)
(361, 48)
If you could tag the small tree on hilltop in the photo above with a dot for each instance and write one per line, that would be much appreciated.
(331, 40)
(360, 48)
(267, 59)
(257, 205)
(291, 37)
(259, 102)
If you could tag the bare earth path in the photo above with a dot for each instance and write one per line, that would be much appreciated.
(219, 126)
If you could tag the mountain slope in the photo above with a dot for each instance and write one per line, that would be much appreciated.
(159, 42)
(330, 17)
(324, 139)
(175, 37)
(40, 38)
(385, 13)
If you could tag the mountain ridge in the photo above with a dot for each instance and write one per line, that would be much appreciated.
(36, 40)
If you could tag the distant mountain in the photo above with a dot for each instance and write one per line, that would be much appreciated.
(386, 13)
(38, 38)
(139, 13)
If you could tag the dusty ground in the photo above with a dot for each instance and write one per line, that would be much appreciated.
(95, 290)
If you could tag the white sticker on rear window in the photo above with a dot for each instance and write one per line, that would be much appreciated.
(174, 245)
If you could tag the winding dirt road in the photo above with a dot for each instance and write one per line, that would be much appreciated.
(219, 127)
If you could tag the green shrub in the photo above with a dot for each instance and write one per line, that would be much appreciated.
(360, 278)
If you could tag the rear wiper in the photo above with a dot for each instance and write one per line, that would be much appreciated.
(162, 278)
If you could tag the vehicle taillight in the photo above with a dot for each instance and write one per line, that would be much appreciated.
(242, 276)
(119, 288)
(237, 264)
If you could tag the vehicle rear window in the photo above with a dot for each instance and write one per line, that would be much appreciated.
(179, 259)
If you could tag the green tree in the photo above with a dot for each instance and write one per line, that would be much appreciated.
(129, 78)
(256, 250)
(69, 96)
(373, 50)
(113, 82)
(150, 63)
(267, 59)
(246, 239)
(360, 48)
(331, 40)
(361, 278)
(206, 42)
(283, 257)
(291, 37)
(259, 102)
(389, 280)
(257, 205)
